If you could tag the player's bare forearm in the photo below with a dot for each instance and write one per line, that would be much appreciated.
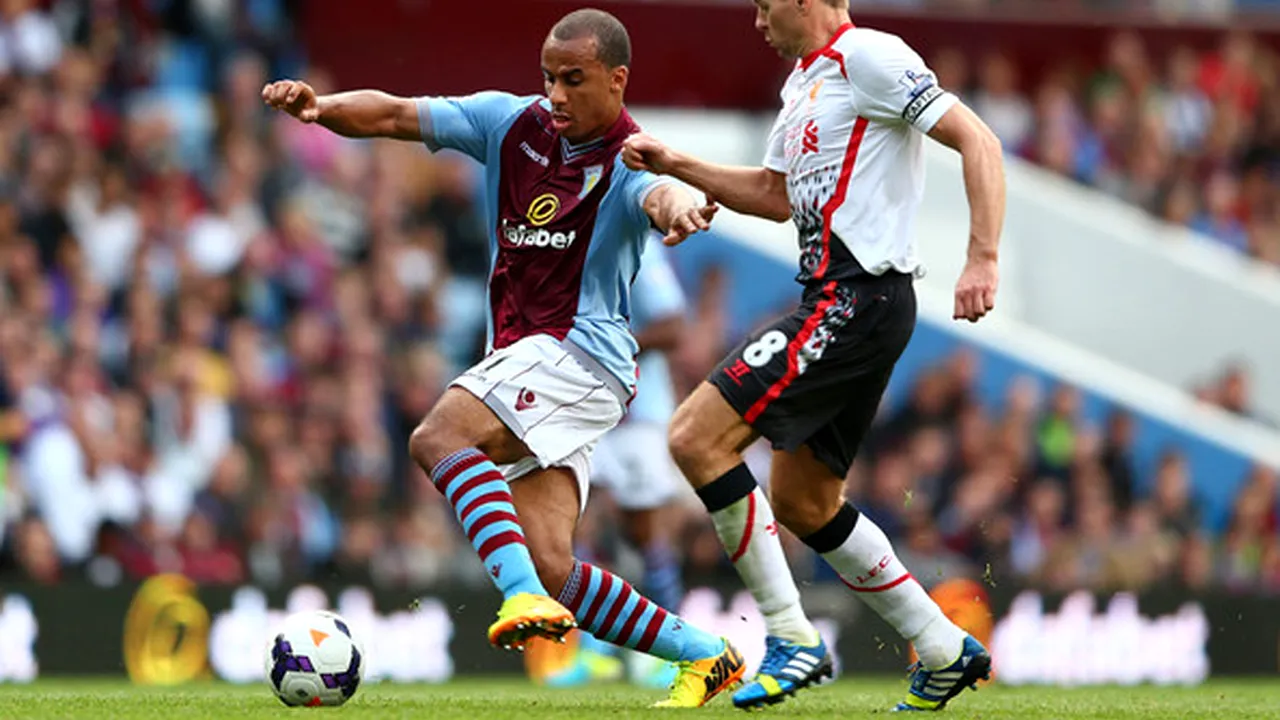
(984, 186)
(983, 162)
(369, 113)
(662, 334)
(752, 191)
(960, 129)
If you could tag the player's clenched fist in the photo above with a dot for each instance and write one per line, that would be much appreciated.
(294, 97)
(645, 152)
(976, 290)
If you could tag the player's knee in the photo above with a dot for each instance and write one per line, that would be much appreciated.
(801, 514)
(431, 442)
(688, 444)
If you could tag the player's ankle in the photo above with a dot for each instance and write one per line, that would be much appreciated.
(940, 643)
(703, 647)
(792, 625)
(712, 650)
(525, 586)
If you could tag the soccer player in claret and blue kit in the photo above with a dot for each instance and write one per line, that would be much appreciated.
(509, 442)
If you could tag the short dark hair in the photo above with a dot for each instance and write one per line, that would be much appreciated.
(613, 45)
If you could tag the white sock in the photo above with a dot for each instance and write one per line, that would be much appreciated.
(867, 564)
(750, 537)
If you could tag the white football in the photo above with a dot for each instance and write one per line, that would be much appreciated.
(314, 660)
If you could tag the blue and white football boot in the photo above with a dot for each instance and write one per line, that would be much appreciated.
(933, 689)
(786, 668)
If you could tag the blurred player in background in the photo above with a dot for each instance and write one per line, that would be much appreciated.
(635, 466)
(845, 162)
(509, 442)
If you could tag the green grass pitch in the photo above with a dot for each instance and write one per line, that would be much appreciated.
(512, 698)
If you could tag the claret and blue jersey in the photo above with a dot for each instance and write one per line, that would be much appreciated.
(566, 223)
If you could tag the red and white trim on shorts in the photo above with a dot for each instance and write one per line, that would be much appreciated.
(793, 354)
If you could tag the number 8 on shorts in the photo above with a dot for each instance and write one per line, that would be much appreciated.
(760, 352)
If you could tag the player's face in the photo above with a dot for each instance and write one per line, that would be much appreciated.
(781, 23)
(585, 95)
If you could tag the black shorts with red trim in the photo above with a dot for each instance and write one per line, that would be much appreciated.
(816, 376)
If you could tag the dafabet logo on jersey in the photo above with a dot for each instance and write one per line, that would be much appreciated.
(543, 209)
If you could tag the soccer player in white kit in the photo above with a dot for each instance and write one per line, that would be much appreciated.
(845, 162)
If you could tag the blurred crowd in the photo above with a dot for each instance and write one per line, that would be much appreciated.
(218, 327)
(1031, 491)
(1194, 138)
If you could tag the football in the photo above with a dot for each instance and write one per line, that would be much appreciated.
(314, 660)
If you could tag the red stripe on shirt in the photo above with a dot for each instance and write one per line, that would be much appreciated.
(841, 191)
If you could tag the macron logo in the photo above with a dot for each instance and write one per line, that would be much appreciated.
(525, 400)
(534, 155)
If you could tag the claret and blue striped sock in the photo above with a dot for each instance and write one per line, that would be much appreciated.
(481, 499)
(609, 608)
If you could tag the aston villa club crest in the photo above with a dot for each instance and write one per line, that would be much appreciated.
(590, 178)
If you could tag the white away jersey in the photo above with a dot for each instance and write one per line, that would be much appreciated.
(847, 140)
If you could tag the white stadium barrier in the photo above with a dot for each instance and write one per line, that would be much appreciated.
(1106, 276)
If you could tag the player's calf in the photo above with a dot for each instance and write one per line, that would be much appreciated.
(481, 500)
(803, 513)
(746, 527)
(859, 551)
(611, 610)
(448, 445)
(548, 502)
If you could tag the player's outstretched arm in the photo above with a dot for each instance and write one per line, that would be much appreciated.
(962, 130)
(752, 191)
(357, 114)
